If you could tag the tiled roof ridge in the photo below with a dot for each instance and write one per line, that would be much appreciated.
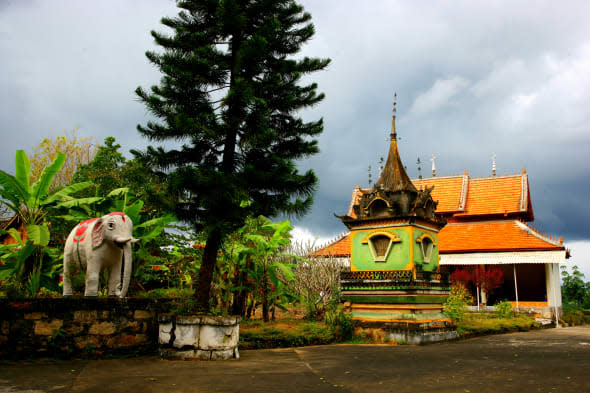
(437, 177)
(464, 189)
(497, 177)
(542, 236)
(499, 221)
(524, 188)
(472, 177)
(356, 189)
(335, 240)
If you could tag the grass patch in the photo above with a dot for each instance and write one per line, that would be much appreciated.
(283, 334)
(476, 324)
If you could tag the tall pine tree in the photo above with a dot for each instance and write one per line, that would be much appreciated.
(228, 97)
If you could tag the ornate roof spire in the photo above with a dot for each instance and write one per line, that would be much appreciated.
(433, 166)
(393, 134)
(393, 195)
(494, 165)
(394, 176)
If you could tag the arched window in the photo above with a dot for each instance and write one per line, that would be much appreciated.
(378, 208)
(380, 244)
(427, 244)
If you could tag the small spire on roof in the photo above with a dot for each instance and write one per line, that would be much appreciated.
(393, 134)
(433, 166)
(466, 172)
(418, 163)
(494, 164)
(523, 170)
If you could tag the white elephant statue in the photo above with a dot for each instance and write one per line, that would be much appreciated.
(98, 243)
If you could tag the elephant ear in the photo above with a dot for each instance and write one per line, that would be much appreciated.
(97, 233)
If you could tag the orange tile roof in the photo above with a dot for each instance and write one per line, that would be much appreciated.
(447, 191)
(339, 248)
(509, 235)
(496, 195)
(481, 236)
(463, 196)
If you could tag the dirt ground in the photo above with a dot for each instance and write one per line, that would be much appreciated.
(551, 360)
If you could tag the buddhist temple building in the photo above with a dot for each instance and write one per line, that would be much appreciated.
(394, 282)
(488, 224)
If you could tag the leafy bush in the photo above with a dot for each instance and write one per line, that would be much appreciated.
(185, 306)
(169, 293)
(488, 323)
(575, 292)
(573, 317)
(457, 302)
(504, 309)
(339, 323)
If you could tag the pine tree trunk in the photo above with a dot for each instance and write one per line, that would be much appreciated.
(206, 271)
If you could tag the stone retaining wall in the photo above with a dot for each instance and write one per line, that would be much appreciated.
(78, 327)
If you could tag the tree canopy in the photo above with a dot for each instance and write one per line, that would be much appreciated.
(228, 97)
(79, 151)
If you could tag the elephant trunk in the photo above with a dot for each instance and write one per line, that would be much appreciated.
(124, 240)
(126, 268)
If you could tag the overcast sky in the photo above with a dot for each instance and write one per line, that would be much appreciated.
(473, 79)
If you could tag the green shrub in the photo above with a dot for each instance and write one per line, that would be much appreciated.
(169, 293)
(489, 323)
(339, 323)
(573, 317)
(457, 302)
(504, 309)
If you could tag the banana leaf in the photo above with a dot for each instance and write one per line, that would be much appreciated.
(23, 169)
(38, 234)
(64, 193)
(40, 188)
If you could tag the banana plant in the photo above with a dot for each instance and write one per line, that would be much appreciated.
(121, 200)
(14, 259)
(31, 202)
(270, 275)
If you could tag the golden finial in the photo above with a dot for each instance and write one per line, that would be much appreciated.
(393, 134)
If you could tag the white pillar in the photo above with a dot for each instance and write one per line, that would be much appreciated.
(515, 285)
(554, 289)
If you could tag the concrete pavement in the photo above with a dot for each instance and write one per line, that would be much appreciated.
(551, 360)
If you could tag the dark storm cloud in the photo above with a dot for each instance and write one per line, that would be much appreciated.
(473, 79)
(69, 63)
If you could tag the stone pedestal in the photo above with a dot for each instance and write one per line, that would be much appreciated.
(198, 337)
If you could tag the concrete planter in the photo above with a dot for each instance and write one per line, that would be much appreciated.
(198, 337)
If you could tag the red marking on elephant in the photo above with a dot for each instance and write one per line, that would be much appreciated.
(81, 230)
(118, 214)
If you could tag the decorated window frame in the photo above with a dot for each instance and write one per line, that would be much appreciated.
(427, 245)
(380, 244)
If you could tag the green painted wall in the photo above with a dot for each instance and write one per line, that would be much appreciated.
(397, 259)
(418, 256)
(438, 299)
